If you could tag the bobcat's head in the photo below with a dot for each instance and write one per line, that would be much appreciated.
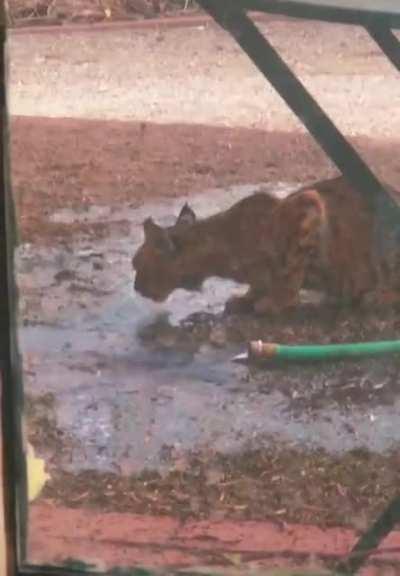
(166, 259)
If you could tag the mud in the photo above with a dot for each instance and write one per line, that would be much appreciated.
(132, 380)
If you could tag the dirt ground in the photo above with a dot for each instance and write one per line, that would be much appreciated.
(129, 117)
(157, 130)
(171, 76)
(75, 163)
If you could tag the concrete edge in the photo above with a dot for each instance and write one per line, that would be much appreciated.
(121, 539)
(150, 24)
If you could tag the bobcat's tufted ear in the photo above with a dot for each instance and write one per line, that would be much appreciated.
(157, 236)
(186, 216)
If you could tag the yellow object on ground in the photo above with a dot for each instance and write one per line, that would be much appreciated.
(37, 475)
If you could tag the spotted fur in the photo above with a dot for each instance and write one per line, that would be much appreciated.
(321, 236)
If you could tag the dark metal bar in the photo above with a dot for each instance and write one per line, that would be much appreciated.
(387, 42)
(297, 97)
(14, 465)
(371, 539)
(312, 11)
(268, 61)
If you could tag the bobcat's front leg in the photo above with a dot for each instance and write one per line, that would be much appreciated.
(285, 294)
(241, 304)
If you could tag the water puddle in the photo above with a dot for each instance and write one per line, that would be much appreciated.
(131, 378)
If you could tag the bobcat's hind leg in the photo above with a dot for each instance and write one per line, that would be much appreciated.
(299, 234)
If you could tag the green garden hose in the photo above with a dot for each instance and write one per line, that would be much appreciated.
(263, 351)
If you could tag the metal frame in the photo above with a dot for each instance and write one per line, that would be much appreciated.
(11, 390)
(339, 11)
(14, 462)
(9, 500)
(231, 15)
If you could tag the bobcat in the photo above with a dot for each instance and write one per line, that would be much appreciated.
(322, 237)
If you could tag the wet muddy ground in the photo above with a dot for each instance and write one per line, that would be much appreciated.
(145, 399)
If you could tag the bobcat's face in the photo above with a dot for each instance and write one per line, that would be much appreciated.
(164, 262)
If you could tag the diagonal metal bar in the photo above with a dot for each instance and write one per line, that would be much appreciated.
(268, 61)
(362, 13)
(371, 539)
(290, 88)
(387, 42)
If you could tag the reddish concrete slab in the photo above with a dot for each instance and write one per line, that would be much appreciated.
(57, 534)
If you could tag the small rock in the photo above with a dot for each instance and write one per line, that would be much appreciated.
(98, 266)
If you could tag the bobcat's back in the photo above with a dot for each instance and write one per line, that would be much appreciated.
(322, 236)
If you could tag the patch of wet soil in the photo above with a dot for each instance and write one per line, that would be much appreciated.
(281, 483)
(129, 376)
(366, 381)
(277, 480)
(139, 407)
(43, 430)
